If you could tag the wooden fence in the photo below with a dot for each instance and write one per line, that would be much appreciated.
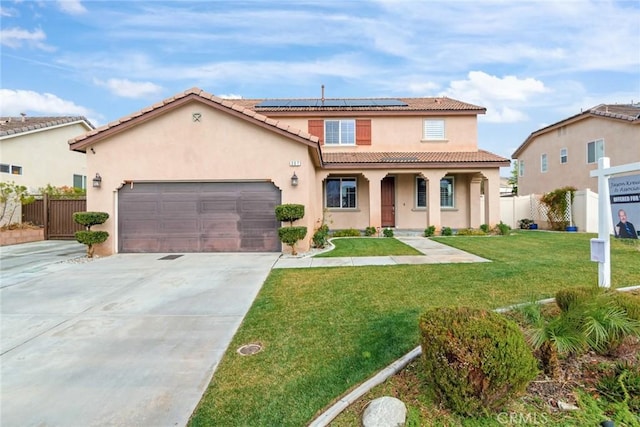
(55, 215)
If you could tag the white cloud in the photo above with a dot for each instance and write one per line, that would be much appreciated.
(72, 7)
(17, 37)
(14, 102)
(129, 89)
(229, 96)
(6, 12)
(504, 97)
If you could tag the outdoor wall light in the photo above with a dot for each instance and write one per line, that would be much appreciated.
(294, 180)
(97, 181)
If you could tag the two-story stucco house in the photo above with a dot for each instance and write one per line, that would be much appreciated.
(564, 153)
(34, 151)
(199, 173)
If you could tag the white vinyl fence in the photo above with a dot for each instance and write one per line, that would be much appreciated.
(584, 212)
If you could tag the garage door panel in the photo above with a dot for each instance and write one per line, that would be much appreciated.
(198, 217)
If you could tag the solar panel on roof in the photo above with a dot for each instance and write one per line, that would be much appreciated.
(332, 103)
(336, 103)
(273, 103)
(389, 103)
(303, 103)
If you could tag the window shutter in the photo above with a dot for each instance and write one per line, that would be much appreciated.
(363, 132)
(316, 127)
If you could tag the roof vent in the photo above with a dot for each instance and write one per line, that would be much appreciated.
(24, 115)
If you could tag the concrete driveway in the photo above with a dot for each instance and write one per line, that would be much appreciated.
(126, 340)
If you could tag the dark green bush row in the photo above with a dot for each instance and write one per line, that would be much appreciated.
(348, 232)
(387, 232)
(370, 231)
(475, 361)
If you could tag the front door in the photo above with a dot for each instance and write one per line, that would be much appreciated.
(388, 188)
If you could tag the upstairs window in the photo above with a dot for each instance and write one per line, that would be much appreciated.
(520, 167)
(595, 150)
(16, 170)
(340, 193)
(433, 130)
(447, 192)
(4, 168)
(543, 163)
(340, 132)
(564, 156)
(421, 192)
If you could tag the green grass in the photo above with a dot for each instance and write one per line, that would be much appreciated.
(368, 246)
(325, 330)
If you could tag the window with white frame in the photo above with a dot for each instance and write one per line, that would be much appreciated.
(16, 170)
(421, 192)
(80, 181)
(564, 156)
(5, 168)
(340, 132)
(433, 130)
(595, 150)
(447, 192)
(543, 163)
(520, 167)
(341, 193)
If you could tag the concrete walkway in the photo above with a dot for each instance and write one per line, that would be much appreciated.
(434, 253)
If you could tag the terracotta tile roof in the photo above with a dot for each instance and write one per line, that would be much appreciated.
(414, 158)
(625, 112)
(231, 105)
(17, 125)
(413, 105)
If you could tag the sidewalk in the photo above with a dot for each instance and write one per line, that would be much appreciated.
(434, 253)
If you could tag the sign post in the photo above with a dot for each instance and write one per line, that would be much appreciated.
(603, 244)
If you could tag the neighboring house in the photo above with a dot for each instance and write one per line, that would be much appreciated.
(198, 173)
(34, 151)
(564, 153)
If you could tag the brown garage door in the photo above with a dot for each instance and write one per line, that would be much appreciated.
(198, 217)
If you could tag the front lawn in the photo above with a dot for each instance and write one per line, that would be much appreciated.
(325, 330)
(368, 246)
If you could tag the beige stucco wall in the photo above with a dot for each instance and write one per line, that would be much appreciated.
(405, 134)
(44, 156)
(620, 145)
(219, 147)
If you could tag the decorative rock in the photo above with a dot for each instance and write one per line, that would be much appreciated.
(385, 411)
(563, 406)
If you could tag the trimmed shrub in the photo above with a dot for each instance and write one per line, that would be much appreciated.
(289, 213)
(470, 232)
(568, 298)
(430, 231)
(348, 232)
(503, 229)
(290, 235)
(622, 384)
(388, 232)
(370, 231)
(446, 231)
(475, 361)
(485, 228)
(320, 236)
(629, 302)
(88, 237)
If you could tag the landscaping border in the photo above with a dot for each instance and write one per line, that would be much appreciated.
(348, 399)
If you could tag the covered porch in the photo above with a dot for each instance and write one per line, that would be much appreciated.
(410, 199)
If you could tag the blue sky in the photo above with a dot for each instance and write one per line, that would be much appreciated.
(529, 63)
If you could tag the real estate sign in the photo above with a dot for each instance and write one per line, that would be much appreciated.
(624, 195)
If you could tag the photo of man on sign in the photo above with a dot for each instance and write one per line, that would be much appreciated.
(625, 205)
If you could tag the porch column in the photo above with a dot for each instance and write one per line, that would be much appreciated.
(375, 197)
(492, 197)
(475, 208)
(433, 197)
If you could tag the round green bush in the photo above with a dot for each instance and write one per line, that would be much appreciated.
(290, 235)
(289, 212)
(475, 361)
(90, 218)
(91, 237)
(629, 302)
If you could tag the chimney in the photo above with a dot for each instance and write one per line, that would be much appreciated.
(24, 115)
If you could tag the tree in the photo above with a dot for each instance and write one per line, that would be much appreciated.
(290, 235)
(12, 195)
(87, 236)
(513, 179)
